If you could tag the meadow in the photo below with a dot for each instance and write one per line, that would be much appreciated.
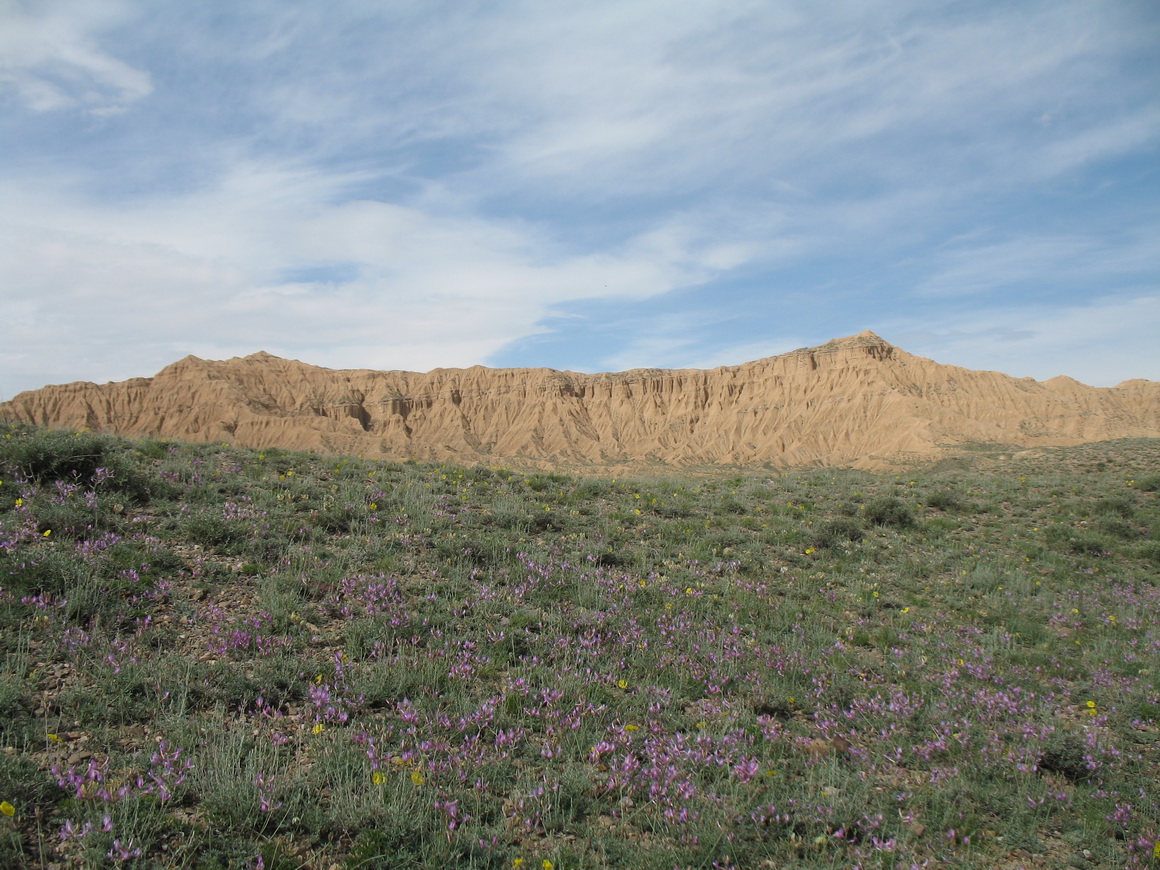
(217, 657)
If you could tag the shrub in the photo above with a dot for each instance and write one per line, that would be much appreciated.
(944, 500)
(1090, 544)
(1118, 506)
(1067, 756)
(46, 456)
(838, 531)
(889, 511)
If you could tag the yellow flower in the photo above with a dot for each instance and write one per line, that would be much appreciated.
(7, 809)
(546, 864)
(54, 738)
(622, 684)
(519, 862)
(47, 532)
(809, 551)
(378, 777)
(319, 728)
(906, 610)
(19, 502)
(631, 727)
(417, 777)
(1156, 850)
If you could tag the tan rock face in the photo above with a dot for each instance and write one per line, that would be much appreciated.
(855, 401)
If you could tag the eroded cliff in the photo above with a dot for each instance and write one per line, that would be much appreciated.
(856, 401)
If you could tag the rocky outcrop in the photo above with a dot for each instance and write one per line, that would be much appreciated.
(855, 401)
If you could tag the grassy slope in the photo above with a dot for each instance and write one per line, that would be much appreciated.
(214, 656)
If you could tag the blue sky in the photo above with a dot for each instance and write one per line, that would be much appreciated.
(599, 186)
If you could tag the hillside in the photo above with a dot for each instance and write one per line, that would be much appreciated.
(857, 401)
(225, 658)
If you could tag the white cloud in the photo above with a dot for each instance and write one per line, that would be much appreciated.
(207, 270)
(49, 57)
(1101, 343)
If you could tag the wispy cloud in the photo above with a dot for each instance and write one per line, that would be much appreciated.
(414, 185)
(1044, 264)
(50, 59)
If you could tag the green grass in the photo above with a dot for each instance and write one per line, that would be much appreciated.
(213, 657)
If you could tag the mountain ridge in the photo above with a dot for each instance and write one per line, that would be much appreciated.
(855, 401)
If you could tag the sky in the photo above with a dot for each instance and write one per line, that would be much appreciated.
(592, 186)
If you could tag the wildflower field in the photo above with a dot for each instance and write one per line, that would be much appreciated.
(215, 657)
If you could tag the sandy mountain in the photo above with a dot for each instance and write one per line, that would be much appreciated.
(853, 401)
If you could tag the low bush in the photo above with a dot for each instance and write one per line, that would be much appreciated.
(889, 511)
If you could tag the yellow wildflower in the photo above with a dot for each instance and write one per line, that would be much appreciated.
(378, 777)
(7, 808)
(417, 777)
